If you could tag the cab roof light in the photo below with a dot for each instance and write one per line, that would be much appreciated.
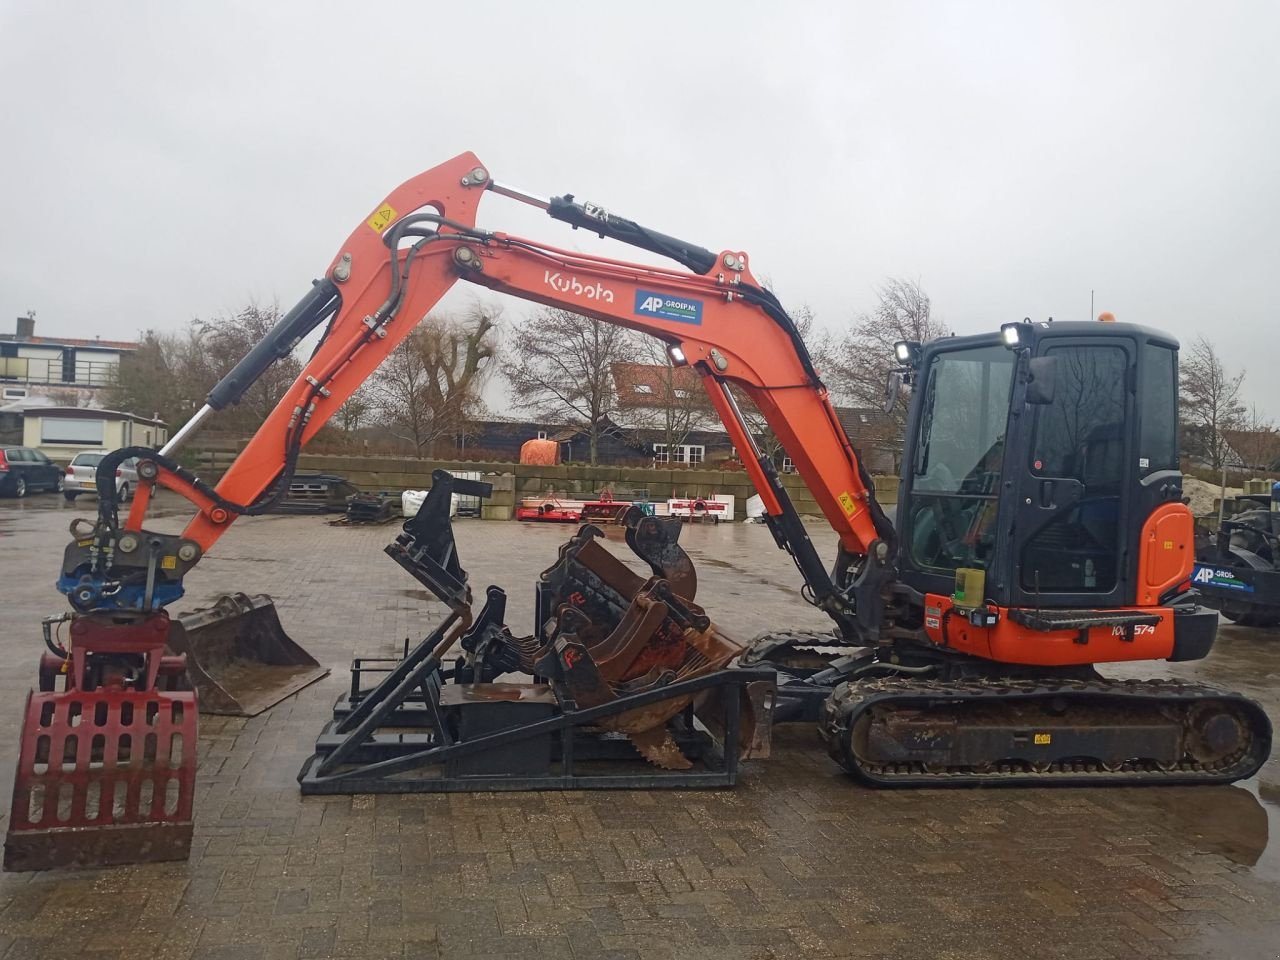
(907, 353)
(1017, 336)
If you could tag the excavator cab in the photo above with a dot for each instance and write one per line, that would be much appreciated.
(1038, 455)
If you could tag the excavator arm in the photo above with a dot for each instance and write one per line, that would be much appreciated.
(399, 262)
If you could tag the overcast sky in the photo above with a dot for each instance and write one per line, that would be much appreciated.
(163, 161)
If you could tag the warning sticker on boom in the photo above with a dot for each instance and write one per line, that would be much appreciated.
(381, 217)
(847, 504)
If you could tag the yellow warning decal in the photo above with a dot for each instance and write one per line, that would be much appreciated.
(169, 563)
(1043, 739)
(847, 504)
(84, 543)
(1168, 544)
(381, 217)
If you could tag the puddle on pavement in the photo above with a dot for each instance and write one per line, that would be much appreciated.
(1240, 822)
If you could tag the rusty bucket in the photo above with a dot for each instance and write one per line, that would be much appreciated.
(239, 658)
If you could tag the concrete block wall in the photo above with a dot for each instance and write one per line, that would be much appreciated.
(513, 482)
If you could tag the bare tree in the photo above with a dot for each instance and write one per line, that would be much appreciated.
(429, 387)
(1209, 403)
(357, 410)
(1255, 441)
(168, 376)
(859, 361)
(562, 367)
(225, 341)
(68, 397)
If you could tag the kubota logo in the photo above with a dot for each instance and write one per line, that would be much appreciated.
(571, 284)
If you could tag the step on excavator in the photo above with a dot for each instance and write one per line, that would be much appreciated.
(1040, 531)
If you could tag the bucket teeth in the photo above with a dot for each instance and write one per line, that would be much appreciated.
(656, 746)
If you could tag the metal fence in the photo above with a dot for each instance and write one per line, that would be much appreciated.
(56, 371)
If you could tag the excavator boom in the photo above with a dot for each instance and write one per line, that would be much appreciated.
(421, 240)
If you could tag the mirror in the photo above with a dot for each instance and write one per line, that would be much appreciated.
(1040, 378)
(892, 387)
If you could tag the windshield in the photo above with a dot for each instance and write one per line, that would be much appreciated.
(959, 456)
(962, 430)
(87, 459)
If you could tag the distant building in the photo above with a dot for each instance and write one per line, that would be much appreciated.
(62, 432)
(660, 407)
(875, 436)
(38, 366)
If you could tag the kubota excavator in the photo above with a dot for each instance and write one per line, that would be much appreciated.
(1040, 529)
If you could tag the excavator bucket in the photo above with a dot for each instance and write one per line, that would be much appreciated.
(239, 659)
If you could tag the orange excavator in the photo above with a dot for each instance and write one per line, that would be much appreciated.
(1040, 529)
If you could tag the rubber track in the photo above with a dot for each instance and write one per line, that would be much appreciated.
(849, 700)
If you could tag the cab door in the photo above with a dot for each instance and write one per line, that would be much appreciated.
(1071, 536)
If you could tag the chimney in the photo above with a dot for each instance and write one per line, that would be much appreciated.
(26, 328)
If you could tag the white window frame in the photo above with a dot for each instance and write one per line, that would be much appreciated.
(681, 394)
(788, 465)
(542, 434)
(72, 430)
(642, 388)
(685, 453)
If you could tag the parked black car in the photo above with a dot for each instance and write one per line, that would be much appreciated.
(23, 471)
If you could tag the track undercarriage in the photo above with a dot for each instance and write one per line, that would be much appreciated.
(909, 716)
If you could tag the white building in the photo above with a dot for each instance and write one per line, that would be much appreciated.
(62, 432)
(34, 366)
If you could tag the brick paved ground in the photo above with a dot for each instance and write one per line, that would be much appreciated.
(795, 862)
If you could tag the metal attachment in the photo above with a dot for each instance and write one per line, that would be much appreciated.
(466, 258)
(323, 391)
(477, 176)
(188, 551)
(127, 543)
(516, 193)
(734, 262)
(719, 359)
(188, 428)
(147, 469)
(342, 272)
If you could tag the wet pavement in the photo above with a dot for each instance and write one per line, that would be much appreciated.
(797, 861)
